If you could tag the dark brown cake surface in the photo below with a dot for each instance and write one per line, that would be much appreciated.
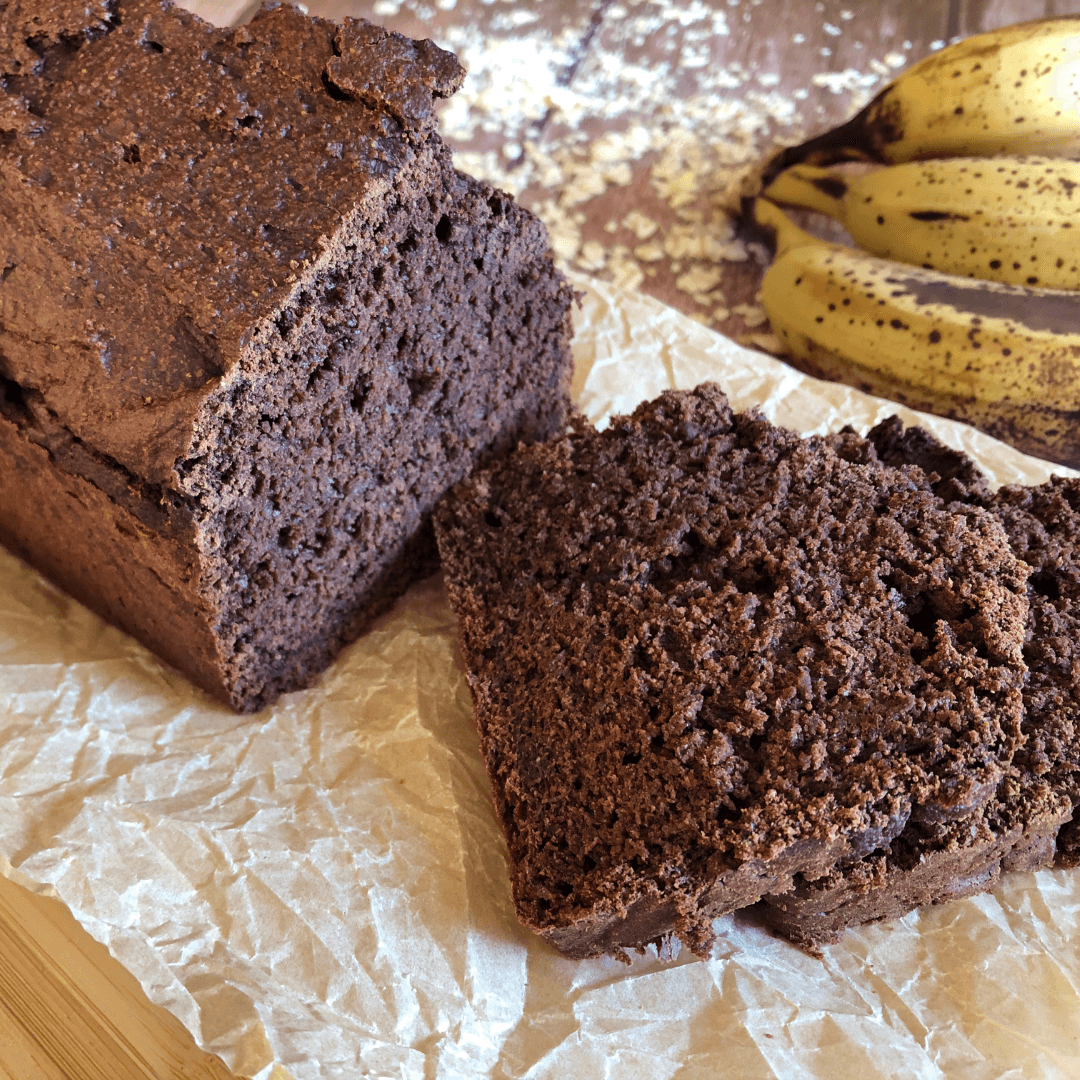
(1028, 819)
(186, 175)
(253, 323)
(707, 655)
(1043, 526)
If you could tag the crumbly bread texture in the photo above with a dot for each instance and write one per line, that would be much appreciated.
(707, 655)
(1027, 821)
(1043, 526)
(252, 325)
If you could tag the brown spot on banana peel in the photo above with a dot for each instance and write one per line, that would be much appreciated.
(832, 186)
(1038, 429)
(937, 215)
(750, 230)
(1033, 427)
(1057, 368)
(1049, 311)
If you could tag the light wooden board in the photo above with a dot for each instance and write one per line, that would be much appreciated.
(69, 1011)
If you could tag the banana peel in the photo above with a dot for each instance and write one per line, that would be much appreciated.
(1010, 219)
(1015, 90)
(1003, 358)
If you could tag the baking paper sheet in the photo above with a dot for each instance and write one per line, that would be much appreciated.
(320, 890)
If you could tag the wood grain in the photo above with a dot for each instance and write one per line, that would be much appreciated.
(69, 1011)
(977, 16)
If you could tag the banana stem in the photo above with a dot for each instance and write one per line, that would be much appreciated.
(810, 187)
(854, 140)
(787, 234)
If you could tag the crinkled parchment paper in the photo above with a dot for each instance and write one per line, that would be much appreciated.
(322, 888)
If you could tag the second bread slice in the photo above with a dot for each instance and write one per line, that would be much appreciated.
(707, 655)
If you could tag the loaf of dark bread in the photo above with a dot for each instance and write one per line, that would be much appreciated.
(707, 656)
(1027, 822)
(252, 325)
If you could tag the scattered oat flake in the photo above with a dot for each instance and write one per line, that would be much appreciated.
(842, 82)
(593, 255)
(751, 314)
(641, 226)
(700, 280)
(649, 252)
(537, 119)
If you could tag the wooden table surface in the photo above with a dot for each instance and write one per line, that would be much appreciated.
(631, 129)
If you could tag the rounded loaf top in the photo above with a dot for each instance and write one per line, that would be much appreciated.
(167, 183)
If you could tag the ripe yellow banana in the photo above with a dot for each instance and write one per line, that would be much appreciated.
(1003, 358)
(1003, 219)
(1015, 90)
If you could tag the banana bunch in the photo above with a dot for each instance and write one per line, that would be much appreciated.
(966, 299)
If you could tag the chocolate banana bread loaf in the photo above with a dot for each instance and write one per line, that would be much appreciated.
(1030, 812)
(252, 325)
(707, 656)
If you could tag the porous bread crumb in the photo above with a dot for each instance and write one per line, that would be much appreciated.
(642, 789)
